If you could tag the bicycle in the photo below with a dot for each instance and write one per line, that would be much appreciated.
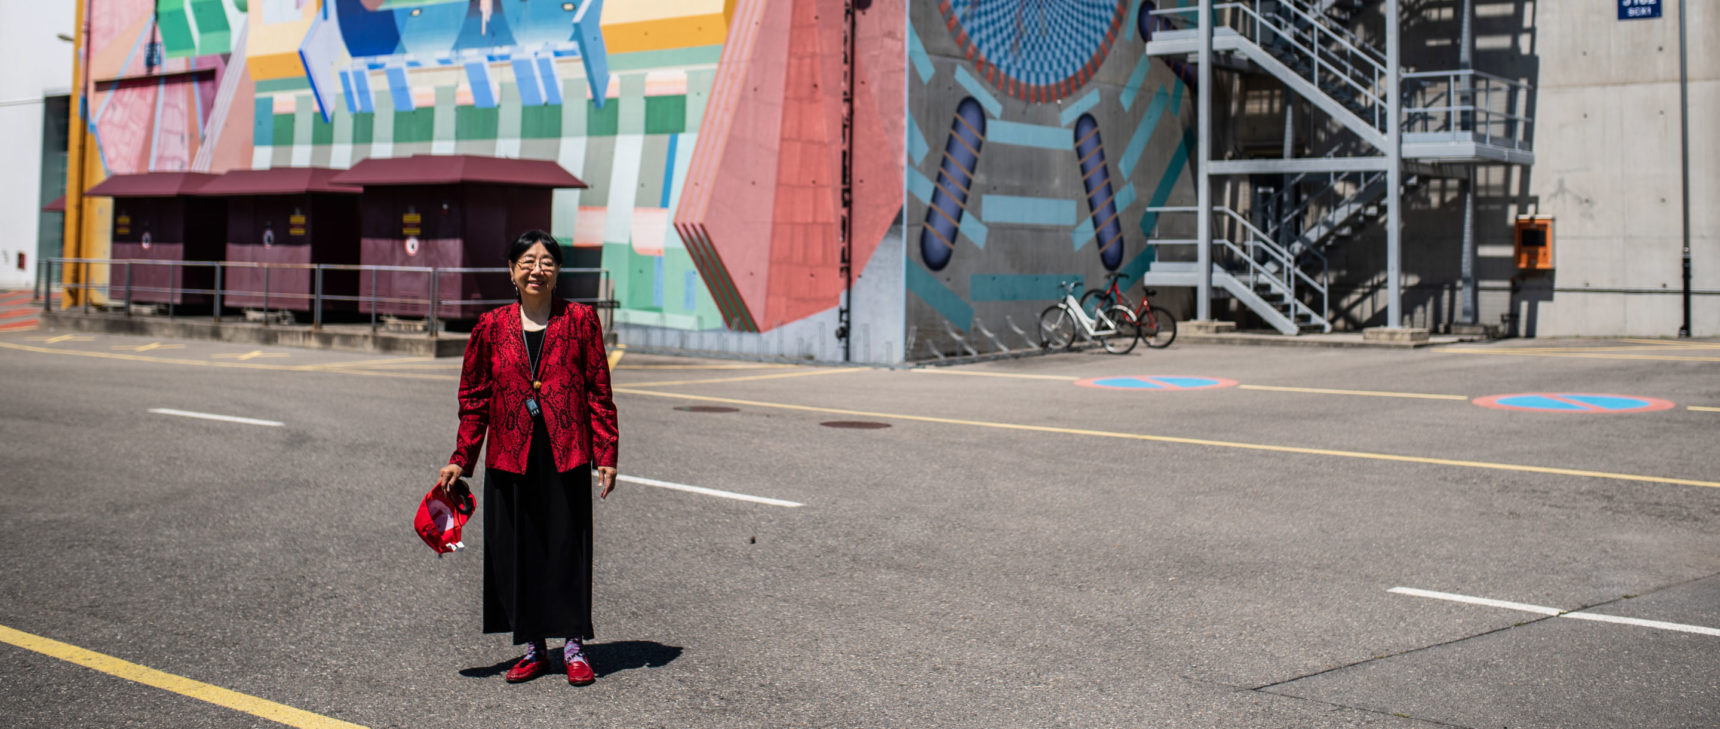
(1114, 327)
(1157, 327)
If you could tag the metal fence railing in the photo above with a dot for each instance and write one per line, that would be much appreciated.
(219, 289)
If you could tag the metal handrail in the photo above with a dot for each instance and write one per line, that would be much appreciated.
(432, 302)
(1310, 45)
(1258, 241)
(1438, 106)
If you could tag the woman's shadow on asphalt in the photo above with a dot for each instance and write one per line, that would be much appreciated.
(606, 658)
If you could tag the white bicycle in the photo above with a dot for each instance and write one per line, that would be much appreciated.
(1113, 326)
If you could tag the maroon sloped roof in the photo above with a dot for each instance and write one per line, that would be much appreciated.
(151, 184)
(57, 206)
(453, 169)
(277, 181)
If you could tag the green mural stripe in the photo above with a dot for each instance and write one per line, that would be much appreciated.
(1075, 110)
(282, 85)
(1143, 133)
(471, 122)
(1021, 210)
(668, 58)
(921, 60)
(717, 281)
(938, 296)
(978, 92)
(176, 38)
(1019, 287)
(1018, 134)
(665, 114)
(1083, 232)
(283, 128)
(974, 229)
(917, 146)
(920, 185)
(322, 132)
(363, 127)
(1167, 184)
(604, 122)
(1136, 80)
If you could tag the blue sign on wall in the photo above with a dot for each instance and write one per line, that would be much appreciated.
(1638, 9)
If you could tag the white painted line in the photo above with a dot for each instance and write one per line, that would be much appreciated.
(1525, 607)
(706, 491)
(211, 416)
(1555, 612)
(1680, 627)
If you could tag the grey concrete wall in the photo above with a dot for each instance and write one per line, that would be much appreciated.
(1606, 142)
(962, 297)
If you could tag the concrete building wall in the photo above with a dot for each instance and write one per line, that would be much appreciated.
(1606, 140)
(36, 64)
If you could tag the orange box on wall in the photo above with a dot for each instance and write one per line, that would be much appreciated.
(1534, 243)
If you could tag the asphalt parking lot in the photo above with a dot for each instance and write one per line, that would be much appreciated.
(1517, 534)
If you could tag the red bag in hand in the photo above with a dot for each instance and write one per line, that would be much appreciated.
(441, 517)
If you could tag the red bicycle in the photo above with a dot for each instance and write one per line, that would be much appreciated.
(1157, 328)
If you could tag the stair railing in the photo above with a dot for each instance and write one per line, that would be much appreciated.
(1325, 48)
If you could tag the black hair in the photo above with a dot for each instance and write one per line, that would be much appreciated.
(531, 238)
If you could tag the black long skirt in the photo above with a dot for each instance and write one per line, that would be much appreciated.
(537, 548)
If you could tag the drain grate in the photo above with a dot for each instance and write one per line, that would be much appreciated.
(707, 409)
(854, 424)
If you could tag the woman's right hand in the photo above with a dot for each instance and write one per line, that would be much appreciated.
(447, 476)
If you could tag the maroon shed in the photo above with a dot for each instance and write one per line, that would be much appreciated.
(454, 211)
(288, 215)
(156, 218)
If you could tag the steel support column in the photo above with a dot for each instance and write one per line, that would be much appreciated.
(1470, 312)
(1394, 170)
(1203, 193)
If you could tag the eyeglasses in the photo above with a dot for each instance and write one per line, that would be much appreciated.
(541, 264)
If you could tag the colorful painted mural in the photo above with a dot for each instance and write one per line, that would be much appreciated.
(735, 105)
(1039, 134)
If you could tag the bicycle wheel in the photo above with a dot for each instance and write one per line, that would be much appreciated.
(1056, 328)
(1094, 300)
(1159, 328)
(1128, 331)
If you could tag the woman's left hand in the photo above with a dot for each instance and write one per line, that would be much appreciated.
(605, 480)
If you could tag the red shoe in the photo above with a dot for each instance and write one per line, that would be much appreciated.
(526, 670)
(579, 672)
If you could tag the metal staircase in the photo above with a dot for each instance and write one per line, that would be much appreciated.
(1416, 124)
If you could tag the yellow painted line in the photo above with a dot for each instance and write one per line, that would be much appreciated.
(965, 373)
(1659, 358)
(709, 367)
(149, 347)
(807, 373)
(1701, 409)
(228, 698)
(1366, 393)
(1190, 441)
(373, 362)
(1674, 343)
(247, 356)
(616, 354)
(63, 338)
(207, 363)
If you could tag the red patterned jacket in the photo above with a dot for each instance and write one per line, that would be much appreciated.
(495, 382)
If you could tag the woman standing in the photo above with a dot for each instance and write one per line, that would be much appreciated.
(536, 381)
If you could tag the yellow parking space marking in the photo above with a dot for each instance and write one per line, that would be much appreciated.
(391, 361)
(710, 367)
(231, 365)
(964, 373)
(1584, 355)
(247, 356)
(1364, 393)
(227, 698)
(616, 354)
(63, 338)
(1362, 455)
(152, 346)
(807, 373)
(1683, 344)
(1701, 409)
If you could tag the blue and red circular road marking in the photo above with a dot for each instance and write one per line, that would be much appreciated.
(1573, 402)
(1155, 383)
